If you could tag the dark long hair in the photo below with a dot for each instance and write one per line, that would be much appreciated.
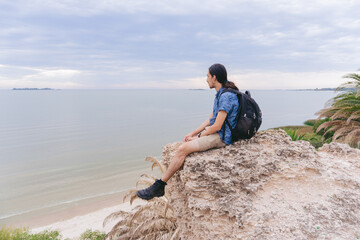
(219, 71)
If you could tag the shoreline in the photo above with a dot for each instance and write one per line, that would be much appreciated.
(51, 214)
(67, 211)
(73, 227)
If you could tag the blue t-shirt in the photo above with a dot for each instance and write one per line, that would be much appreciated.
(229, 103)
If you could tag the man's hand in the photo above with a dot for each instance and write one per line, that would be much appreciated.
(188, 137)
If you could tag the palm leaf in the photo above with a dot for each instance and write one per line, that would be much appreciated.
(354, 116)
(156, 163)
(327, 112)
(145, 179)
(153, 206)
(338, 115)
(146, 182)
(147, 176)
(152, 225)
(353, 137)
(354, 83)
(118, 214)
(329, 124)
(158, 235)
(341, 132)
(332, 129)
(154, 220)
(118, 230)
(130, 194)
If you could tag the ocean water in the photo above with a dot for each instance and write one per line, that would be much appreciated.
(61, 146)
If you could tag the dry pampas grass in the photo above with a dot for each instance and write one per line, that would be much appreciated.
(152, 221)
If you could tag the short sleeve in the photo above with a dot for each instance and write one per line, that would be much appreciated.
(226, 102)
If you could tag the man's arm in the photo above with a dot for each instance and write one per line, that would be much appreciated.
(198, 130)
(219, 121)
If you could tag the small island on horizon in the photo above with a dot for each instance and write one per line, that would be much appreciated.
(32, 89)
(323, 89)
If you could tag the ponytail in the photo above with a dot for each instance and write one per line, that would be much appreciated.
(229, 84)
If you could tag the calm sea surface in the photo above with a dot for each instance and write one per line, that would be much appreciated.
(58, 147)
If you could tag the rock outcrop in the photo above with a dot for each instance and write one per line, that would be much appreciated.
(268, 187)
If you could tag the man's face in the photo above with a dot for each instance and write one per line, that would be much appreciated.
(211, 80)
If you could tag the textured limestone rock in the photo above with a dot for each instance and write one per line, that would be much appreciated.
(268, 187)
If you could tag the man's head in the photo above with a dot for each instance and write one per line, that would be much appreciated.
(217, 76)
(219, 71)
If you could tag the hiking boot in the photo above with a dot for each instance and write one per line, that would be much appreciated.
(155, 190)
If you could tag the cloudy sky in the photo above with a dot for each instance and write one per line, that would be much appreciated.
(113, 44)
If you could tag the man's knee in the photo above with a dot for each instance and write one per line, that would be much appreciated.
(186, 148)
(183, 149)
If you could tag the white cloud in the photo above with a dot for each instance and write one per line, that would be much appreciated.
(54, 75)
(268, 39)
(7, 31)
(94, 7)
(150, 46)
(186, 83)
(251, 79)
(148, 76)
(287, 80)
(348, 23)
(29, 77)
(183, 7)
(313, 30)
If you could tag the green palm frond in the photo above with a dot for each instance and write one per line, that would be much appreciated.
(342, 132)
(329, 124)
(344, 112)
(355, 116)
(354, 83)
(339, 114)
(327, 112)
(353, 137)
(294, 134)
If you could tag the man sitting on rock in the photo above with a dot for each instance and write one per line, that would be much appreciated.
(210, 134)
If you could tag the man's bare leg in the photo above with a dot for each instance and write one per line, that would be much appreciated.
(178, 160)
(157, 189)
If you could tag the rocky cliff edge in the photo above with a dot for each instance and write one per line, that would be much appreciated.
(268, 187)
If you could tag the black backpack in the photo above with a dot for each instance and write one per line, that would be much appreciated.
(249, 117)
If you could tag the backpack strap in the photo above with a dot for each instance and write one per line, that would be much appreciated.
(223, 135)
(226, 119)
(227, 123)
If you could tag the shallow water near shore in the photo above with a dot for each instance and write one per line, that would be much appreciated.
(60, 147)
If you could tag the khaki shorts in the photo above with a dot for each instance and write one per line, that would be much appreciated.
(210, 141)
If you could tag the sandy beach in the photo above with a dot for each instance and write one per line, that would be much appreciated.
(73, 220)
(74, 226)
